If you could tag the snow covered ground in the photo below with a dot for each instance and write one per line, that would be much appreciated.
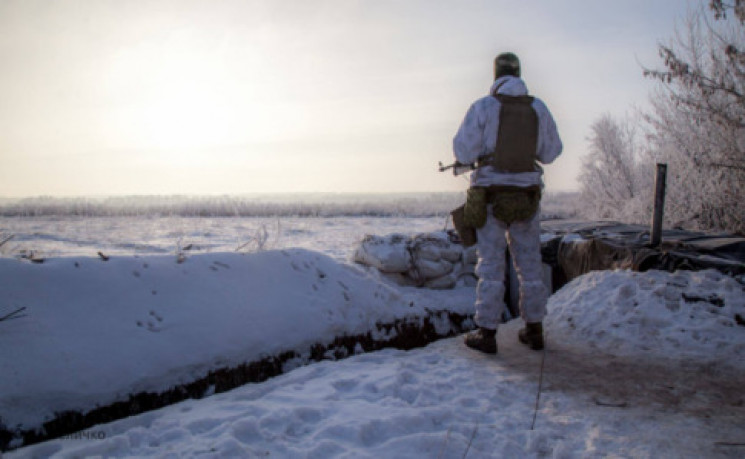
(97, 331)
(598, 399)
(637, 365)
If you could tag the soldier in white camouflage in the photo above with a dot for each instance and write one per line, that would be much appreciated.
(506, 135)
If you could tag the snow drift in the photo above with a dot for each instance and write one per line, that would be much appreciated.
(695, 315)
(99, 331)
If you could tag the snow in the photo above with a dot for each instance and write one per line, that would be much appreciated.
(637, 364)
(57, 236)
(690, 315)
(440, 401)
(106, 329)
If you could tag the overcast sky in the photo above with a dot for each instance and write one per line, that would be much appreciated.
(194, 97)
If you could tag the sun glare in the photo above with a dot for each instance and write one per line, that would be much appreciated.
(185, 117)
(186, 98)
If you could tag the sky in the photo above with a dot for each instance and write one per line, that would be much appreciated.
(122, 97)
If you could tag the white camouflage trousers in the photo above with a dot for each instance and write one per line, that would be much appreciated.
(525, 247)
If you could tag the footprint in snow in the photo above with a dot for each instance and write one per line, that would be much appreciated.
(152, 325)
(345, 385)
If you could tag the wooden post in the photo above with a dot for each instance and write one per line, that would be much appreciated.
(659, 205)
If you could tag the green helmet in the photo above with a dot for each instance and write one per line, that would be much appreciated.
(506, 64)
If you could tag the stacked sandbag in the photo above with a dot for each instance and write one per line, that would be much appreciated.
(389, 254)
(432, 260)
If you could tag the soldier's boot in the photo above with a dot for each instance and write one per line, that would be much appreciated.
(532, 335)
(483, 339)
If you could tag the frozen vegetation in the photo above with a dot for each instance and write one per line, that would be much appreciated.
(695, 126)
(333, 224)
(255, 205)
(261, 205)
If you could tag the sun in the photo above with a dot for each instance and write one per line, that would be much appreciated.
(186, 116)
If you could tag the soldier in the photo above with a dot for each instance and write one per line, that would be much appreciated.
(505, 135)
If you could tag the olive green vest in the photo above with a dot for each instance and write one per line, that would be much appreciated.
(517, 139)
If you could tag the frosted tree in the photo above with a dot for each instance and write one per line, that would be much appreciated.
(614, 183)
(698, 119)
(696, 126)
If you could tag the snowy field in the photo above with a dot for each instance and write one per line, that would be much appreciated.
(329, 223)
(151, 235)
(637, 365)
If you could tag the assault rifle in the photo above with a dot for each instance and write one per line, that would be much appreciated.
(457, 167)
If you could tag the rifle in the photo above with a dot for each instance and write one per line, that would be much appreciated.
(457, 167)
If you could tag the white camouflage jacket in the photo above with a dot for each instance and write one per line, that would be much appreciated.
(477, 136)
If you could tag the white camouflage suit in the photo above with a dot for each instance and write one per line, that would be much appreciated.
(476, 137)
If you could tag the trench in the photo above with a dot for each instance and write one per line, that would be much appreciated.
(405, 333)
(578, 247)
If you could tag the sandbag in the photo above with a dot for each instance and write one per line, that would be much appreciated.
(427, 269)
(452, 253)
(442, 283)
(435, 246)
(428, 252)
(429, 260)
(388, 254)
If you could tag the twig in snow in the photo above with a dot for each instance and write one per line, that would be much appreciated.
(260, 238)
(180, 257)
(447, 438)
(242, 246)
(103, 257)
(598, 402)
(7, 239)
(473, 435)
(14, 314)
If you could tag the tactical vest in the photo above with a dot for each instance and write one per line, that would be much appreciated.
(517, 139)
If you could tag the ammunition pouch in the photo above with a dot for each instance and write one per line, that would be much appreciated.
(466, 232)
(475, 208)
(509, 204)
(471, 215)
(514, 204)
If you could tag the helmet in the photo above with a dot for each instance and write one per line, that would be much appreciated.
(506, 64)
